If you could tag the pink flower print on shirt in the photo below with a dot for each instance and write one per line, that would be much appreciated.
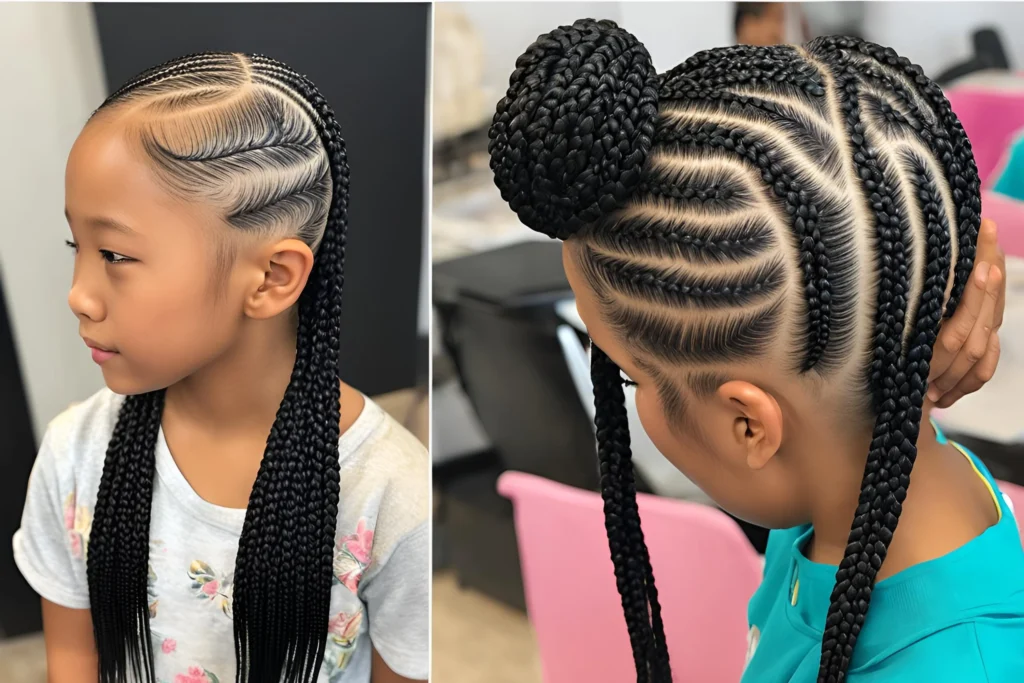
(78, 523)
(197, 674)
(209, 585)
(342, 635)
(352, 556)
(169, 645)
(360, 543)
(69, 511)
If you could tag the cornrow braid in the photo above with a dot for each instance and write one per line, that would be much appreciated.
(683, 290)
(828, 184)
(899, 381)
(283, 569)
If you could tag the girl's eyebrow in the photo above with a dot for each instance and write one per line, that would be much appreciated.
(105, 223)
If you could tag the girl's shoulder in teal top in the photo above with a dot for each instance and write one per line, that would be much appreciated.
(956, 619)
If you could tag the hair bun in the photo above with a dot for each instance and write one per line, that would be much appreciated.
(570, 137)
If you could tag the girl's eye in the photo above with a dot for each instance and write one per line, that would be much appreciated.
(114, 257)
(71, 244)
(626, 381)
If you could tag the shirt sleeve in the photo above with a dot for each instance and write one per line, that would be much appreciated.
(397, 598)
(949, 655)
(50, 545)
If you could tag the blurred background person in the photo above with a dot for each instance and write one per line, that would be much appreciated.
(760, 23)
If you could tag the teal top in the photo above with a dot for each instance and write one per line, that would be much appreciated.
(1010, 181)
(956, 619)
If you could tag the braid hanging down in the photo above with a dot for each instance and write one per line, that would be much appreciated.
(750, 199)
(268, 149)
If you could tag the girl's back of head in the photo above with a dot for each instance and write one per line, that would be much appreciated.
(784, 227)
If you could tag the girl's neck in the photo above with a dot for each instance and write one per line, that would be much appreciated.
(243, 388)
(947, 505)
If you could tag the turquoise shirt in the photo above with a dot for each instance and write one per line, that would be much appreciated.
(1010, 181)
(956, 619)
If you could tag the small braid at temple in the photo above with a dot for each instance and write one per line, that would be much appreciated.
(832, 180)
(283, 572)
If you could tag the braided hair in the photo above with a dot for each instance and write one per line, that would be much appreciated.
(250, 135)
(797, 192)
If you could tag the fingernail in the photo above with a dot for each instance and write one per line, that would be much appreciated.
(982, 273)
(933, 394)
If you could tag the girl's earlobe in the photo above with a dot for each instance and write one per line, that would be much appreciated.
(761, 448)
(283, 270)
(757, 423)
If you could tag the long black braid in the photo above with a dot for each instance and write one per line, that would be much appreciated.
(283, 570)
(828, 161)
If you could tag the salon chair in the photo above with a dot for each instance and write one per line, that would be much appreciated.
(988, 55)
(498, 329)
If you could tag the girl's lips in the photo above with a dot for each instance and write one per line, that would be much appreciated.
(100, 356)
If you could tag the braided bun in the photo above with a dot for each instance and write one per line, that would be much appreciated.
(570, 137)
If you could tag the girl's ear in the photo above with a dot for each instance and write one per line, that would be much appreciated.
(757, 421)
(284, 269)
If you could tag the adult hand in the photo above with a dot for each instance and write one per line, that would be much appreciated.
(967, 349)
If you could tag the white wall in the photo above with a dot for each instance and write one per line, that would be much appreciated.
(673, 32)
(936, 35)
(508, 28)
(932, 34)
(52, 78)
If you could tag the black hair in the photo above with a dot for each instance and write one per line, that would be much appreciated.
(797, 192)
(278, 122)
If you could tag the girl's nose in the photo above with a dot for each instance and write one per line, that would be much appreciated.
(83, 302)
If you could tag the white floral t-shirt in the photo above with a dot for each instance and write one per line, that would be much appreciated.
(381, 557)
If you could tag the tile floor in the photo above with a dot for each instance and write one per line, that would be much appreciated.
(23, 660)
(479, 640)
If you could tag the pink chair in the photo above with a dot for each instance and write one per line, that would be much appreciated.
(706, 571)
(991, 118)
(1008, 214)
(1015, 494)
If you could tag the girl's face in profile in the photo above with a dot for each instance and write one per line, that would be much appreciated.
(146, 289)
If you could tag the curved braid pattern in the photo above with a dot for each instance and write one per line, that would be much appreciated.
(283, 572)
(898, 381)
(787, 195)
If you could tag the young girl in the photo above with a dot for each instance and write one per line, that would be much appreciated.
(227, 510)
(765, 241)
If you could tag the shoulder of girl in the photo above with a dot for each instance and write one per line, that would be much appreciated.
(83, 429)
(390, 440)
(949, 655)
(390, 466)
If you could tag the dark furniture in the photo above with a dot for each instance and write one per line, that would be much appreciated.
(988, 54)
(19, 605)
(498, 326)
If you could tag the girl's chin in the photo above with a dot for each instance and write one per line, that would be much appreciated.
(119, 381)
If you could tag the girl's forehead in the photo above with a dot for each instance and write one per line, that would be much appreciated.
(108, 181)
